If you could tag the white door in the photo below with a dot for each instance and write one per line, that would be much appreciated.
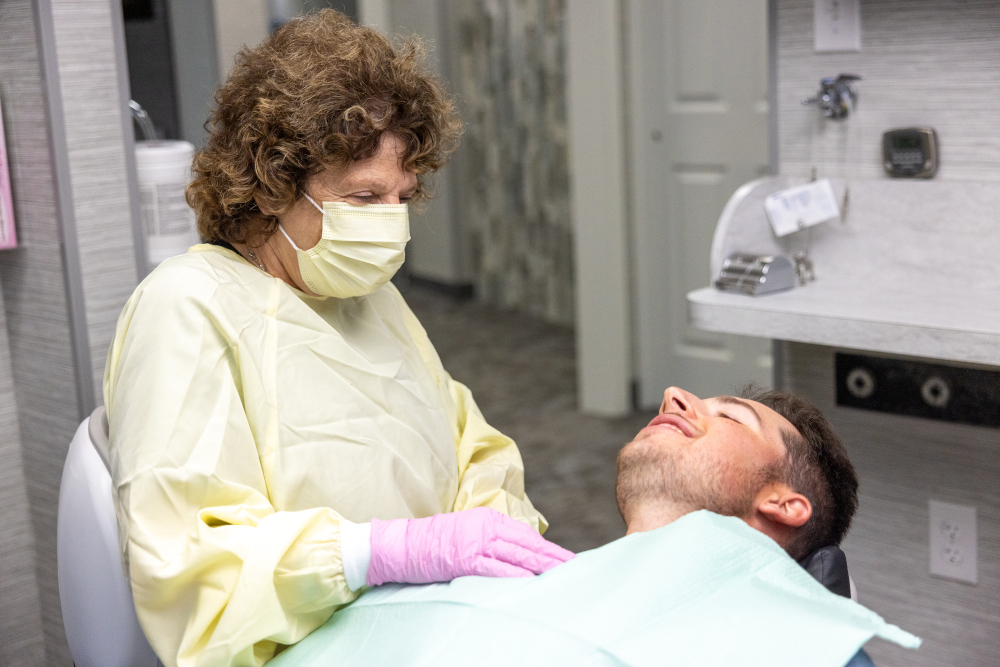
(699, 124)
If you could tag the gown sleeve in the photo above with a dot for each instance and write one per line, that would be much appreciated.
(219, 577)
(490, 469)
(491, 473)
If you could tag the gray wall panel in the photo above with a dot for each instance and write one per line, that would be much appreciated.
(88, 75)
(21, 639)
(33, 282)
(924, 62)
(903, 462)
(64, 287)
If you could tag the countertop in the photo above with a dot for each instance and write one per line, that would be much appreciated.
(913, 270)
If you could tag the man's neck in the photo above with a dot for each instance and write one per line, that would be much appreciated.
(656, 515)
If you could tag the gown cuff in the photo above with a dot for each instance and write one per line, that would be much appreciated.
(355, 552)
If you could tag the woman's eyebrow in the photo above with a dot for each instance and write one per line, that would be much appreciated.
(732, 400)
(367, 185)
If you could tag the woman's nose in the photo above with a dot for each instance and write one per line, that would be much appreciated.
(676, 399)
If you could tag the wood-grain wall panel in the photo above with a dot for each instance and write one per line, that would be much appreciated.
(21, 639)
(88, 76)
(902, 462)
(34, 292)
(66, 283)
(924, 62)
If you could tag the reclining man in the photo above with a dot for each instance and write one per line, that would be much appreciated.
(685, 586)
(771, 459)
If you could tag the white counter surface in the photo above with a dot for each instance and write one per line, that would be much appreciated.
(915, 270)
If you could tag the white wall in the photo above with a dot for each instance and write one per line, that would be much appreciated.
(376, 14)
(196, 64)
(238, 23)
(595, 102)
(435, 251)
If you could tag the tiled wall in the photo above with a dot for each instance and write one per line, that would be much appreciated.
(510, 80)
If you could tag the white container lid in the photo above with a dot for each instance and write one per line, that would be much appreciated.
(158, 161)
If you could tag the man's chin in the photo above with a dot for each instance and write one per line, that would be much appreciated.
(651, 474)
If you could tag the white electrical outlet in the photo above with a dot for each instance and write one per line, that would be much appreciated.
(954, 542)
(836, 25)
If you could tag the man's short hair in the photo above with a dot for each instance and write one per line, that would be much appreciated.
(816, 466)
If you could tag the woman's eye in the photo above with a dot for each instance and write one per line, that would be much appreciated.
(723, 414)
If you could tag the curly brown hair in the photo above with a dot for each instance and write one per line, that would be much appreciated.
(319, 93)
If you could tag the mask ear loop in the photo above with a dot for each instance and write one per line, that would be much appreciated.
(318, 208)
(289, 238)
(313, 202)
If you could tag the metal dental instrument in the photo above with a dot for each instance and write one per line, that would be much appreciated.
(837, 97)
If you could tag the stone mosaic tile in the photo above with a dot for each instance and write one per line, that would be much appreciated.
(510, 82)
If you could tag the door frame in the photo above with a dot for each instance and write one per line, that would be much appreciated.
(599, 196)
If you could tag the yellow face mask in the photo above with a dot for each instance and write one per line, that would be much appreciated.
(362, 247)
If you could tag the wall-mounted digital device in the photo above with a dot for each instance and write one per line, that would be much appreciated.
(910, 152)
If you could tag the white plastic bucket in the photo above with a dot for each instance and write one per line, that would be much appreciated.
(164, 169)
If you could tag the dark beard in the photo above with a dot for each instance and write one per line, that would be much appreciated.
(685, 480)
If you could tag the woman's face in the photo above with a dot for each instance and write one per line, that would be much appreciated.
(378, 180)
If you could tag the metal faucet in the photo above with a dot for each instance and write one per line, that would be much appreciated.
(142, 120)
(837, 97)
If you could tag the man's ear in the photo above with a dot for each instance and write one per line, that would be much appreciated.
(780, 505)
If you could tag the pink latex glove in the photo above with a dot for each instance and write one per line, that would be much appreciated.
(479, 541)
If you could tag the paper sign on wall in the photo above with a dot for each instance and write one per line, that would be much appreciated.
(8, 239)
(802, 206)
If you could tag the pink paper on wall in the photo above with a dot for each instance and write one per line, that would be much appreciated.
(8, 238)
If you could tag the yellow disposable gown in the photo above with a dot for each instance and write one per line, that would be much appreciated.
(247, 420)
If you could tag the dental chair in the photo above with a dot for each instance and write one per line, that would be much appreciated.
(97, 607)
(828, 566)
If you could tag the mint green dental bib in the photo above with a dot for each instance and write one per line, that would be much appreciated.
(706, 590)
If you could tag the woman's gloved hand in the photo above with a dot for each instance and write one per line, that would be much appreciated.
(478, 541)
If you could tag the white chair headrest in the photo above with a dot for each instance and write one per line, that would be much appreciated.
(98, 431)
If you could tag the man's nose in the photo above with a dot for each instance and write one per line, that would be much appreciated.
(676, 399)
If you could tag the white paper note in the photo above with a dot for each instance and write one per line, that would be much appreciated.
(802, 206)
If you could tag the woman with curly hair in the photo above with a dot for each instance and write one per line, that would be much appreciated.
(282, 430)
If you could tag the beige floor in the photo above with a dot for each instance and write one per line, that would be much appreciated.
(523, 375)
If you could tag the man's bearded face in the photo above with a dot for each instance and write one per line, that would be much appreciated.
(715, 454)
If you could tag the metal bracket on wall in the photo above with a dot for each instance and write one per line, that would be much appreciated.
(919, 389)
